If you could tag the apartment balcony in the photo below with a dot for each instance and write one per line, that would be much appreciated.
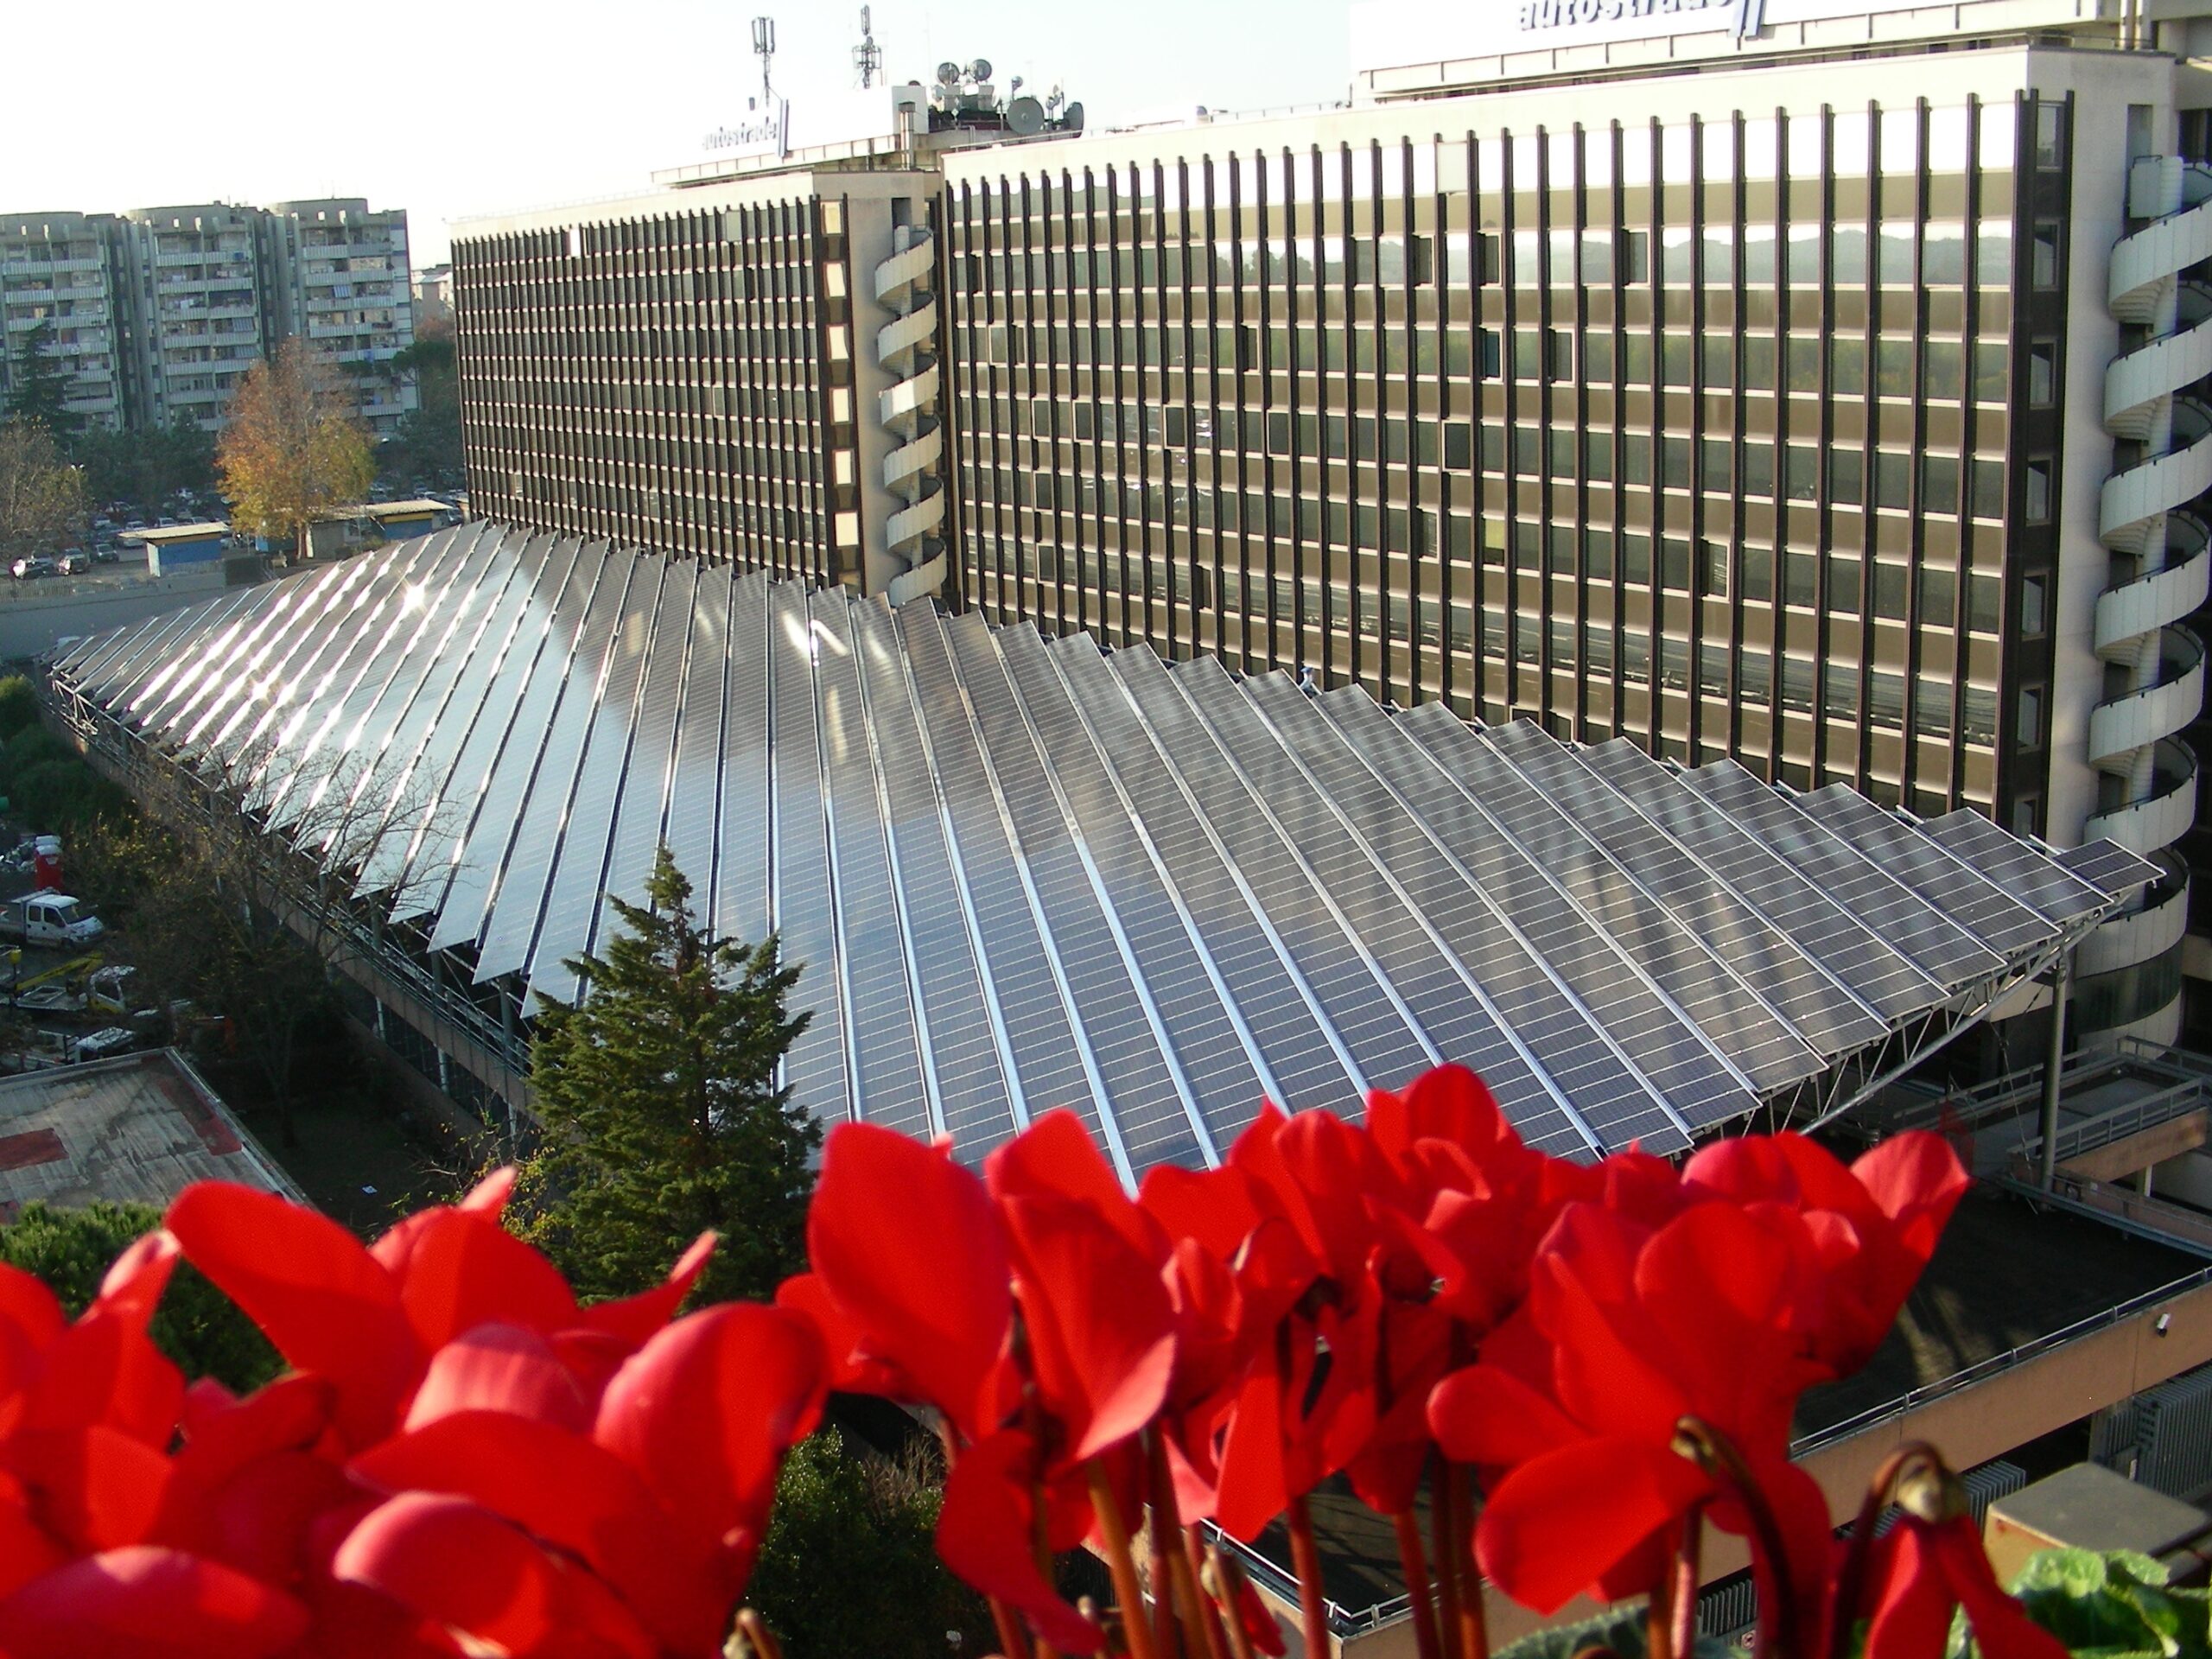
(2130, 609)
(2162, 816)
(2131, 720)
(2137, 935)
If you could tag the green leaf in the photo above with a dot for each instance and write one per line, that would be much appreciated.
(1619, 1627)
(2114, 1605)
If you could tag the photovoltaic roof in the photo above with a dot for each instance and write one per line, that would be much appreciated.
(1023, 873)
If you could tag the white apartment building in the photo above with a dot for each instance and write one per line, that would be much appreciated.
(338, 275)
(191, 297)
(53, 269)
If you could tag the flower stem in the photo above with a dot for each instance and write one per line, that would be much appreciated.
(1716, 1456)
(1474, 1616)
(1136, 1628)
(1306, 1562)
(1161, 1524)
(1190, 1577)
(1228, 1583)
(1444, 1538)
(1416, 1570)
(1682, 1637)
(1851, 1578)
(759, 1641)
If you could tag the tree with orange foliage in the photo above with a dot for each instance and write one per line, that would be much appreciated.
(294, 447)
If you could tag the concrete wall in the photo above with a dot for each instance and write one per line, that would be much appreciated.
(32, 617)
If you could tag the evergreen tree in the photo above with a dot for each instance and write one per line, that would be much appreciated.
(659, 1110)
(38, 386)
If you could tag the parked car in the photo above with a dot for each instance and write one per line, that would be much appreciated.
(76, 562)
(37, 565)
(106, 553)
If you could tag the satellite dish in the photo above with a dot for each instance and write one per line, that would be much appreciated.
(1025, 116)
(979, 70)
(948, 74)
(1071, 117)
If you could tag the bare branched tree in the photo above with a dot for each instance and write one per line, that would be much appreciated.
(277, 883)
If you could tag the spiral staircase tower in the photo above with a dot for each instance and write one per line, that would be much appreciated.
(905, 347)
(2156, 393)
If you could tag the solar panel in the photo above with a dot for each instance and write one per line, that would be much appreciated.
(1016, 876)
(1923, 864)
(1277, 1021)
(1799, 906)
(2028, 875)
(1816, 1004)
(2109, 867)
(1495, 813)
(1146, 1098)
(1052, 1064)
(1886, 904)
(1669, 1080)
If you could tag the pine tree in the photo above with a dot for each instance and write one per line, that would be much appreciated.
(38, 386)
(659, 1110)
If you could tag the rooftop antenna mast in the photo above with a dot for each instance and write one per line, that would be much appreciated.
(867, 56)
(764, 47)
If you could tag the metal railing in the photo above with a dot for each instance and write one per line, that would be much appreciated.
(1997, 1365)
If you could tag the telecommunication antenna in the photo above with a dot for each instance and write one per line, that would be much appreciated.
(764, 47)
(867, 56)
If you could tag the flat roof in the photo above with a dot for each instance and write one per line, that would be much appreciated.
(183, 532)
(138, 1128)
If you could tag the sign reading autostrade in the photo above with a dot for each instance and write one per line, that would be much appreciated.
(1390, 33)
(1744, 16)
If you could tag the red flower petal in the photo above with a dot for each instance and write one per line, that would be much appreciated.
(500, 1368)
(465, 1270)
(1055, 1157)
(472, 1572)
(258, 1520)
(221, 1435)
(326, 1304)
(28, 1309)
(148, 1603)
(573, 1495)
(984, 1534)
(1486, 1415)
(1911, 1617)
(26, 1548)
(1102, 1331)
(2001, 1625)
(97, 1488)
(634, 1318)
(852, 1370)
(908, 1243)
(705, 1411)
(1558, 1523)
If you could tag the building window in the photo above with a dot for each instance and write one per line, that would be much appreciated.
(2043, 374)
(2029, 732)
(1716, 570)
(1560, 352)
(1488, 355)
(2034, 595)
(2027, 815)
(2045, 256)
(1636, 256)
(2035, 492)
(2051, 135)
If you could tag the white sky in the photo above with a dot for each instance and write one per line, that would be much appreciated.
(461, 107)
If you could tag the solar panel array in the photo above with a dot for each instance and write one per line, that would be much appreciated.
(1023, 873)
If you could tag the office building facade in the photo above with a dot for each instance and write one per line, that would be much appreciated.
(1819, 395)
